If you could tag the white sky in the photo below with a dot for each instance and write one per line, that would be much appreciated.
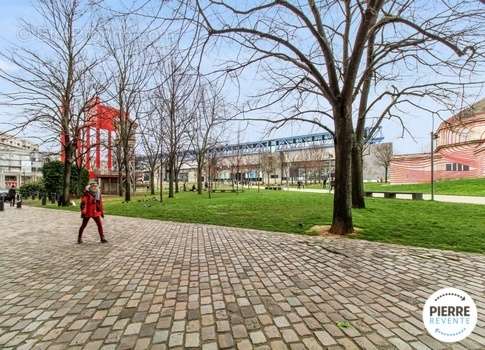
(418, 123)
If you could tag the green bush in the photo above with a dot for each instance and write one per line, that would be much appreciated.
(31, 187)
(53, 173)
(79, 180)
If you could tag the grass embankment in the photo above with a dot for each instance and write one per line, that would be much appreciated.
(464, 187)
(418, 223)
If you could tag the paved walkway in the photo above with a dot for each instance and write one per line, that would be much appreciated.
(437, 197)
(160, 285)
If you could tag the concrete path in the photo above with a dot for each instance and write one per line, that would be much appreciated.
(160, 285)
(438, 197)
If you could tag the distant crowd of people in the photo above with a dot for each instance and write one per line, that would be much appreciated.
(328, 181)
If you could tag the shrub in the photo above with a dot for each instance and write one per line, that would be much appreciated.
(79, 180)
(31, 187)
(53, 173)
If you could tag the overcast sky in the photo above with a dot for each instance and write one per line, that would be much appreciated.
(418, 123)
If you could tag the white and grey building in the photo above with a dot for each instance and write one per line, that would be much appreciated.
(20, 161)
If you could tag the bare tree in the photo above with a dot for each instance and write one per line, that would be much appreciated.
(269, 163)
(174, 93)
(53, 81)
(213, 168)
(129, 71)
(259, 166)
(327, 59)
(182, 154)
(152, 142)
(207, 128)
(234, 161)
(291, 158)
(384, 156)
(314, 159)
(283, 166)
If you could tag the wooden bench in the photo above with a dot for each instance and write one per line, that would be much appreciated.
(226, 190)
(417, 196)
(276, 188)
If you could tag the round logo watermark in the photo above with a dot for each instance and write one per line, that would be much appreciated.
(450, 315)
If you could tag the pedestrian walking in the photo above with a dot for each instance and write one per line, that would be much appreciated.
(92, 207)
(12, 193)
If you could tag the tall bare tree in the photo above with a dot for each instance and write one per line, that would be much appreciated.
(175, 91)
(207, 128)
(326, 60)
(159, 135)
(152, 142)
(384, 156)
(269, 163)
(213, 168)
(128, 68)
(235, 161)
(52, 82)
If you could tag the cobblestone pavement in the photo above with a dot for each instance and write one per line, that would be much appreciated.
(166, 285)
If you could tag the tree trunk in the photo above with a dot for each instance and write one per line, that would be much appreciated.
(120, 183)
(171, 172)
(386, 169)
(66, 181)
(161, 182)
(176, 172)
(342, 200)
(199, 179)
(358, 200)
(209, 181)
(287, 175)
(127, 179)
(152, 182)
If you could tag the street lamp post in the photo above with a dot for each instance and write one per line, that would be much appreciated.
(433, 137)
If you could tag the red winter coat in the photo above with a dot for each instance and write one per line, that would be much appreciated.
(90, 207)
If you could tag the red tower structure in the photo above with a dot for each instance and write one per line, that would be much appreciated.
(94, 149)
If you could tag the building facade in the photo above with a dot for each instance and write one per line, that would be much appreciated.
(459, 152)
(20, 162)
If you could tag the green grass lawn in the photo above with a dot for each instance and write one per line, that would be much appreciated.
(465, 187)
(451, 226)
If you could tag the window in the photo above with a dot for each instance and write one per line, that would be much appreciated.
(457, 167)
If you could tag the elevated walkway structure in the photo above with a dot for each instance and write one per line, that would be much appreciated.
(322, 140)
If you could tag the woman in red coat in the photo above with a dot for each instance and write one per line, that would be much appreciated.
(92, 207)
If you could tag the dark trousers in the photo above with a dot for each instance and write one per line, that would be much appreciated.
(97, 220)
